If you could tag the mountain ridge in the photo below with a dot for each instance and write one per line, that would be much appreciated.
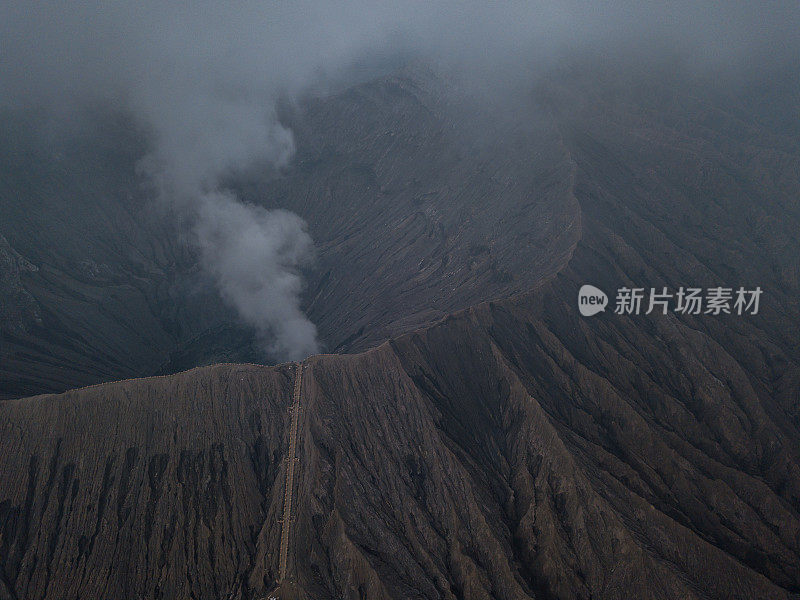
(510, 448)
(413, 364)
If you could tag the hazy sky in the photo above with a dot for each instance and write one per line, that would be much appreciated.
(203, 78)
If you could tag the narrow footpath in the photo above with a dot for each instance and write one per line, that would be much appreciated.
(292, 461)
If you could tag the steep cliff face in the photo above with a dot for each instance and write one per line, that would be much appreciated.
(157, 488)
(422, 202)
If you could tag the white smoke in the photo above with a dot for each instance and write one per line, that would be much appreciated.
(203, 80)
(253, 255)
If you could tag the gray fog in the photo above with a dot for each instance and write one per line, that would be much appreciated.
(204, 78)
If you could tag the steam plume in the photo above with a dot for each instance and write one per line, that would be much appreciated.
(253, 254)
